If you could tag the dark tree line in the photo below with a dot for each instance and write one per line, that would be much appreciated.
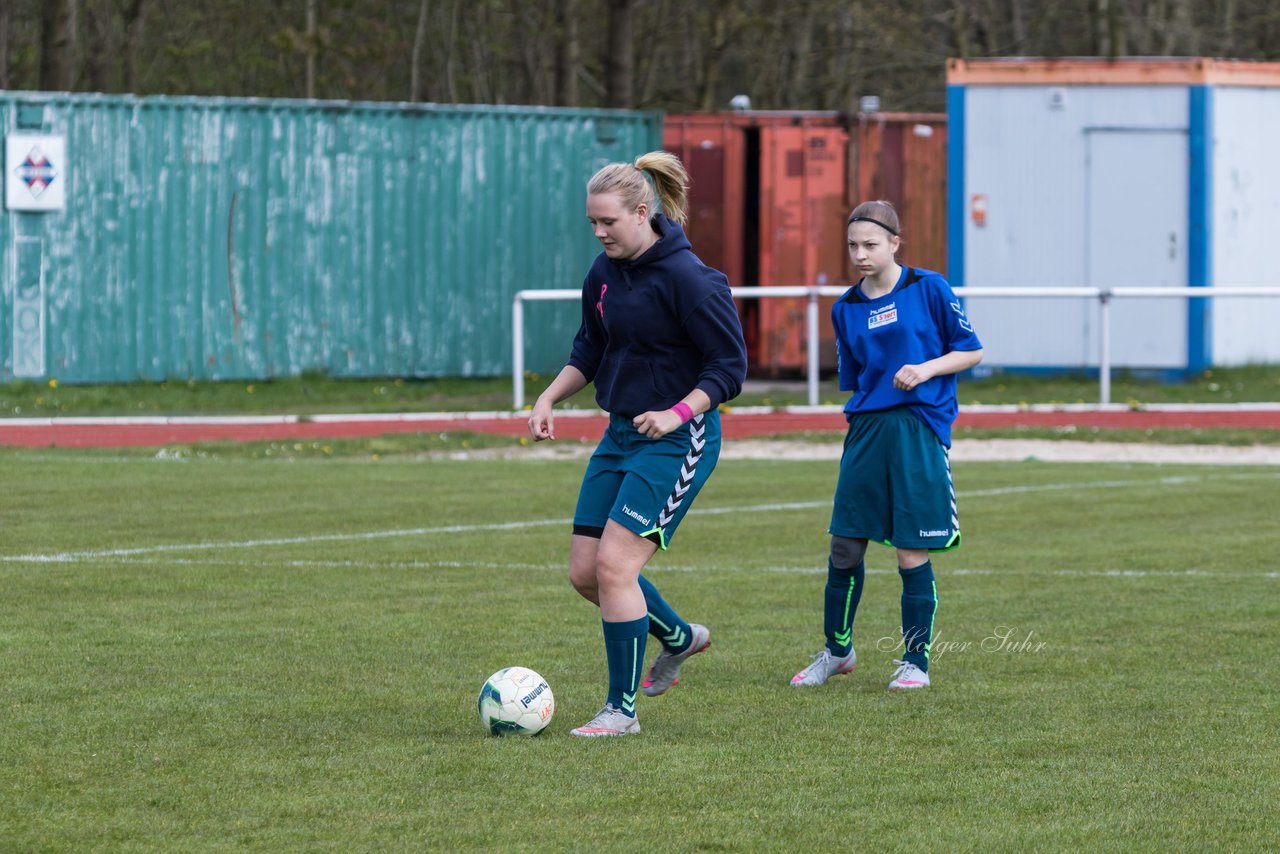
(673, 55)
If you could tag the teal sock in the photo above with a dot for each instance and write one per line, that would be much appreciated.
(664, 623)
(919, 604)
(840, 603)
(624, 649)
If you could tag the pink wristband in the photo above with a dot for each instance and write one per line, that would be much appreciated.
(682, 409)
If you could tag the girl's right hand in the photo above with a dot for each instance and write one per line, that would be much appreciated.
(541, 422)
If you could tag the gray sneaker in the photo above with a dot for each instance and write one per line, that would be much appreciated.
(665, 670)
(825, 665)
(609, 721)
(908, 676)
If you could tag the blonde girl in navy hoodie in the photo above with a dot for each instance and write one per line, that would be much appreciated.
(662, 342)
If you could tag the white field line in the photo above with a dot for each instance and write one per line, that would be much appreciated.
(72, 557)
(507, 414)
(772, 570)
(69, 557)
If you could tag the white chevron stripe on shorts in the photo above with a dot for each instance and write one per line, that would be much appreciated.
(697, 441)
(951, 491)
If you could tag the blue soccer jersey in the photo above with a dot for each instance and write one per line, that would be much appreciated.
(919, 320)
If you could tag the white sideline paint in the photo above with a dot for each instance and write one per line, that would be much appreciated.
(507, 414)
(146, 420)
(772, 570)
(72, 557)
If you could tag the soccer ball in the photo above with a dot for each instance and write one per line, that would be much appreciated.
(516, 701)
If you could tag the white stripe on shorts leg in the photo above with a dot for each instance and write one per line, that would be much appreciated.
(697, 441)
(951, 488)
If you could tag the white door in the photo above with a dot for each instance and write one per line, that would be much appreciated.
(1136, 236)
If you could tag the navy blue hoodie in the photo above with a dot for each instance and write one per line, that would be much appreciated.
(658, 326)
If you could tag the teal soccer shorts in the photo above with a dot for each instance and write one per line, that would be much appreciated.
(646, 485)
(895, 484)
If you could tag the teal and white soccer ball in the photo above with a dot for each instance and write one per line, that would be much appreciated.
(516, 701)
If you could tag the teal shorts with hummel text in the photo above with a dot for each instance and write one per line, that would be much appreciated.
(895, 484)
(647, 485)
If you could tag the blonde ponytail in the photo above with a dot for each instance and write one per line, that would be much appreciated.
(627, 180)
(670, 180)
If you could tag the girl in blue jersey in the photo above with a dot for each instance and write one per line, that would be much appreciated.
(661, 340)
(901, 337)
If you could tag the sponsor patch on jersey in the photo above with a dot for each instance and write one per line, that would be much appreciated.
(883, 316)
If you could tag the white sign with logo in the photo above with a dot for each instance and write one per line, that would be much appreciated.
(35, 167)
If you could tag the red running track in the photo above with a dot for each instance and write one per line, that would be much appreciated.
(102, 433)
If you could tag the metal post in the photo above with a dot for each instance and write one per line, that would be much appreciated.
(517, 353)
(1104, 358)
(812, 322)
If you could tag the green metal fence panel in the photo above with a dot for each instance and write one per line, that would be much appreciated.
(214, 238)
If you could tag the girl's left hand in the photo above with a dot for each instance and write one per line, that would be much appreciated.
(655, 425)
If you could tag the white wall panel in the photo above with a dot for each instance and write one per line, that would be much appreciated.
(1027, 150)
(1246, 221)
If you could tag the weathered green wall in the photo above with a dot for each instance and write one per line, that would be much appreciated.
(216, 239)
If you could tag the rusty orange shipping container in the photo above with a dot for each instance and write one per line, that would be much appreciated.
(902, 157)
(713, 147)
(769, 192)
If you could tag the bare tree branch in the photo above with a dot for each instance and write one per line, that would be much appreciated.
(311, 46)
(6, 28)
(133, 14)
(415, 57)
(568, 53)
(619, 61)
(57, 44)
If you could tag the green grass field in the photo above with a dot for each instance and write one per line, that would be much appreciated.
(230, 653)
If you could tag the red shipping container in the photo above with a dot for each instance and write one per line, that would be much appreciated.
(769, 193)
(712, 147)
(713, 150)
(902, 157)
(803, 203)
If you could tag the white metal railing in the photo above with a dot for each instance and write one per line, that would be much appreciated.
(1104, 296)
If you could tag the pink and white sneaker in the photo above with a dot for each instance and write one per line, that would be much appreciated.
(908, 676)
(665, 670)
(608, 721)
(825, 665)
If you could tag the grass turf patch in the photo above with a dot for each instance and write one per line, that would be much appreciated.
(252, 653)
